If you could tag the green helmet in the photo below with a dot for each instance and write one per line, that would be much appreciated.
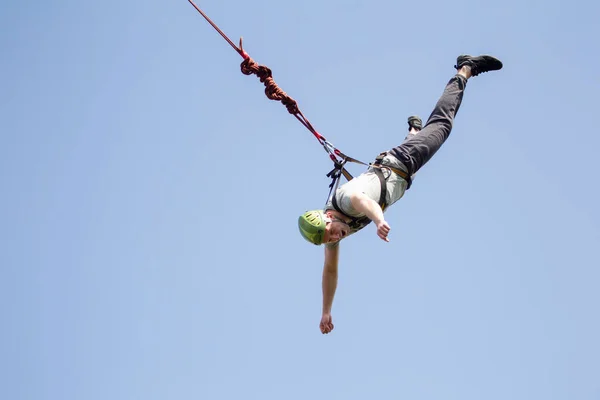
(312, 226)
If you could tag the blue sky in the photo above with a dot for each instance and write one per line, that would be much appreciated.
(151, 191)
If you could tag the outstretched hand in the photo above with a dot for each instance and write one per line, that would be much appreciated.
(383, 229)
(326, 324)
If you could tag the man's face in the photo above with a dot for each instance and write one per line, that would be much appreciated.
(334, 231)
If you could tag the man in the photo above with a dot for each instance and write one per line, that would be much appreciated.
(365, 198)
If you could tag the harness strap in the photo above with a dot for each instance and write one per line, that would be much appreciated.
(404, 175)
(335, 174)
(382, 194)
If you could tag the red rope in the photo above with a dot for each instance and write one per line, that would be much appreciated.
(274, 92)
(238, 49)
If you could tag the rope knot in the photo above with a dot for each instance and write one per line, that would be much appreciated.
(272, 90)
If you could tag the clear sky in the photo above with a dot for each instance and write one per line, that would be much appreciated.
(150, 192)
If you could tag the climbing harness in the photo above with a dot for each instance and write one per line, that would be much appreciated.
(379, 165)
(274, 92)
(355, 223)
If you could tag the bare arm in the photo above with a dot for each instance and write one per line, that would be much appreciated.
(365, 205)
(329, 285)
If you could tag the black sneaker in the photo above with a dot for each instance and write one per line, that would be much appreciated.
(478, 64)
(415, 122)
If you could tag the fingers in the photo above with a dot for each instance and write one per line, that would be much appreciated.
(383, 236)
(323, 327)
(326, 327)
(383, 230)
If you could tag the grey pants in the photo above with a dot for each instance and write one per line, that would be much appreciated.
(416, 150)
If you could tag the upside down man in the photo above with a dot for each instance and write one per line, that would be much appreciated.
(365, 198)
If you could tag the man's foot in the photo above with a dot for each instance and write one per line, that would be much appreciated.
(478, 64)
(415, 122)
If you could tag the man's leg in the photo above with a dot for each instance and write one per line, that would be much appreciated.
(418, 149)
